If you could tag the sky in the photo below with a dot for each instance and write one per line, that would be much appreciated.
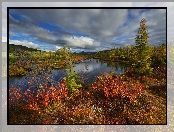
(86, 29)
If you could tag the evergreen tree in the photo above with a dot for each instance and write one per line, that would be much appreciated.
(142, 58)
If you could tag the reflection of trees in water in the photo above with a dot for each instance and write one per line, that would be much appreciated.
(116, 65)
(86, 66)
(98, 67)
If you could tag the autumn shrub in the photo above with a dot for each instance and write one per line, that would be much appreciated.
(115, 86)
(125, 99)
(31, 100)
(12, 58)
(111, 99)
(15, 70)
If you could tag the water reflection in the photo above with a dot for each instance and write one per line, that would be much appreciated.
(90, 68)
(37, 80)
(87, 66)
(95, 67)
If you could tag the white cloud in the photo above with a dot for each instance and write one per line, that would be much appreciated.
(97, 23)
(54, 48)
(81, 42)
(57, 47)
(24, 43)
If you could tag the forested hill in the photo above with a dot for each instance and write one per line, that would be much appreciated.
(89, 53)
(12, 47)
(86, 53)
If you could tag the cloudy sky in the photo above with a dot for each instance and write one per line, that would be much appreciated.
(84, 29)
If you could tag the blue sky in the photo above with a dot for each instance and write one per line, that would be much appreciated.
(84, 30)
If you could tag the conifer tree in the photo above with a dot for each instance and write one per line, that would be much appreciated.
(142, 58)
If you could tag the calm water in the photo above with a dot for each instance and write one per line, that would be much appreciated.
(94, 67)
(89, 68)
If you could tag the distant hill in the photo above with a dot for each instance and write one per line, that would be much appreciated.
(90, 53)
(12, 47)
(86, 53)
(105, 51)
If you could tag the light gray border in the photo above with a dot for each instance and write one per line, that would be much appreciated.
(88, 1)
(91, 128)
